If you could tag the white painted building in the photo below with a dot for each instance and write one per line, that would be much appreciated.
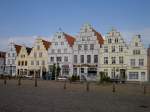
(113, 56)
(137, 66)
(60, 53)
(2, 62)
(11, 54)
(86, 52)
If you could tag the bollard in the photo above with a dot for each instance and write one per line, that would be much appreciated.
(144, 91)
(87, 86)
(35, 84)
(19, 81)
(65, 84)
(5, 81)
(114, 88)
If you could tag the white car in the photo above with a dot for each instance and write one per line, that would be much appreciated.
(62, 78)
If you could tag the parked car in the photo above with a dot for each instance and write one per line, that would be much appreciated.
(28, 76)
(63, 78)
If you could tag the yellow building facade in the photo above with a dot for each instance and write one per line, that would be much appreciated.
(38, 58)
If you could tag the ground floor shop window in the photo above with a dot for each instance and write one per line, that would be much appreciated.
(82, 70)
(65, 71)
(133, 75)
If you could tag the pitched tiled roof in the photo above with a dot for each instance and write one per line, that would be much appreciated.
(99, 37)
(28, 50)
(46, 44)
(18, 48)
(70, 39)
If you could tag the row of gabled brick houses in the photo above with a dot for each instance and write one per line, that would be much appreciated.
(84, 55)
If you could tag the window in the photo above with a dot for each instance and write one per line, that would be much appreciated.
(132, 62)
(58, 59)
(65, 70)
(113, 60)
(13, 61)
(109, 40)
(35, 54)
(75, 71)
(116, 40)
(136, 52)
(105, 60)
(25, 63)
(40, 54)
(65, 59)
(79, 47)
(37, 62)
(106, 72)
(32, 62)
(121, 59)
(52, 59)
(53, 51)
(85, 47)
(95, 58)
(18, 63)
(142, 76)
(75, 58)
(8, 54)
(91, 46)
(105, 49)
(88, 58)
(83, 38)
(43, 62)
(13, 54)
(136, 44)
(8, 61)
(62, 43)
(82, 70)
(82, 58)
(65, 50)
(56, 43)
(133, 75)
(22, 63)
(113, 48)
(38, 47)
(59, 36)
(120, 48)
(141, 62)
(59, 50)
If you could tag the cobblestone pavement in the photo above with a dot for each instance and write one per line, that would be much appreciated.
(50, 96)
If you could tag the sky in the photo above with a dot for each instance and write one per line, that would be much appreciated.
(22, 20)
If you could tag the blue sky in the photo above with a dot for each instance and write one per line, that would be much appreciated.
(22, 19)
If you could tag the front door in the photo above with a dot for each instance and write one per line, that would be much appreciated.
(122, 74)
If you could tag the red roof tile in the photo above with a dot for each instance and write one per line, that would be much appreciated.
(99, 37)
(70, 39)
(18, 48)
(46, 44)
